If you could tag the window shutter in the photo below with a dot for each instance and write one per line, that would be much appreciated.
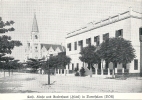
(95, 39)
(87, 41)
(104, 36)
(140, 31)
(116, 33)
(121, 32)
(107, 35)
(140, 34)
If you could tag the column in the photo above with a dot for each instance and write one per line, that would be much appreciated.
(122, 70)
(61, 71)
(102, 71)
(96, 72)
(64, 71)
(58, 71)
(115, 70)
(108, 72)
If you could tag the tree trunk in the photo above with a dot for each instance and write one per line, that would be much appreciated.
(4, 72)
(48, 75)
(65, 70)
(9, 72)
(55, 72)
(113, 71)
(90, 65)
(12, 71)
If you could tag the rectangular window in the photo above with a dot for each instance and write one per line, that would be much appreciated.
(75, 45)
(77, 66)
(106, 65)
(72, 66)
(69, 46)
(80, 43)
(136, 64)
(97, 40)
(140, 34)
(105, 36)
(68, 66)
(115, 65)
(88, 41)
(124, 66)
(140, 31)
(119, 33)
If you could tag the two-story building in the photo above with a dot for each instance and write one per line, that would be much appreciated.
(127, 25)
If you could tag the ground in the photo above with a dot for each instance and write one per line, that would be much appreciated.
(37, 83)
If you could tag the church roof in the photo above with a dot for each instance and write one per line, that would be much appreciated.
(54, 46)
(34, 26)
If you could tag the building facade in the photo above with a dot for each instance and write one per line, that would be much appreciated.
(37, 50)
(127, 25)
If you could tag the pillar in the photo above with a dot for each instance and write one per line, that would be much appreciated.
(58, 71)
(108, 71)
(64, 71)
(96, 72)
(115, 70)
(102, 71)
(61, 71)
(122, 70)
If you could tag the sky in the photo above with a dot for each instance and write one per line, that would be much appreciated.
(56, 18)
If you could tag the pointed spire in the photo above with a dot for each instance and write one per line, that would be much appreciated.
(35, 26)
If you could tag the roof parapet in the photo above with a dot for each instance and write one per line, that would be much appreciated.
(106, 21)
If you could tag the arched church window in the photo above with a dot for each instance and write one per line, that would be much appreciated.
(36, 50)
(36, 37)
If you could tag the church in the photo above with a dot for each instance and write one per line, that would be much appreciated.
(37, 50)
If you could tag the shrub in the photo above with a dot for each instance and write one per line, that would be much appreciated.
(77, 74)
(82, 71)
(76, 69)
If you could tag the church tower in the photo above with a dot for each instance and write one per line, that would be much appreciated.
(33, 49)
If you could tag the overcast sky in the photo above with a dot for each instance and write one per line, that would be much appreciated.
(56, 18)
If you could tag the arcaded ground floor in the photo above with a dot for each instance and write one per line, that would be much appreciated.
(37, 83)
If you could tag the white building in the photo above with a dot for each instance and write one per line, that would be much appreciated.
(127, 25)
(37, 50)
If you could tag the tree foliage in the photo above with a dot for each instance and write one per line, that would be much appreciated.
(34, 63)
(6, 43)
(117, 50)
(88, 55)
(63, 60)
(58, 61)
(4, 24)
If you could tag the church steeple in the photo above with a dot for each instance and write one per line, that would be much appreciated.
(34, 26)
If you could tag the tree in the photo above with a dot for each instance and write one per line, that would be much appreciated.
(63, 60)
(7, 64)
(35, 63)
(89, 56)
(6, 44)
(14, 65)
(4, 24)
(116, 50)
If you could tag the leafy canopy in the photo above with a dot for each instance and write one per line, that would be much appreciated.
(89, 55)
(117, 50)
(58, 61)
